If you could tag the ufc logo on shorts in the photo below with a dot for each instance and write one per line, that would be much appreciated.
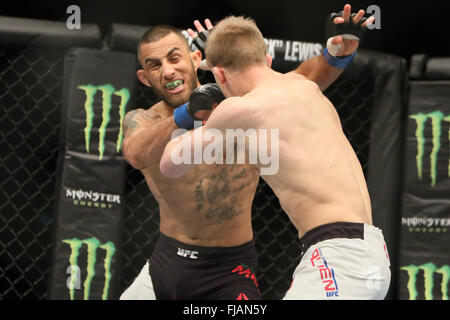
(187, 253)
(326, 274)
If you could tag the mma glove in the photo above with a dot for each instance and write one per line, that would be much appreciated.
(200, 41)
(348, 30)
(201, 98)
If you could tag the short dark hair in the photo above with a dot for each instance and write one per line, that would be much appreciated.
(158, 32)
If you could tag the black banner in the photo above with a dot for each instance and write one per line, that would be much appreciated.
(385, 156)
(425, 231)
(97, 88)
(288, 54)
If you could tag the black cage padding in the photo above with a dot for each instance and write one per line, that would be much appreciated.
(97, 89)
(21, 31)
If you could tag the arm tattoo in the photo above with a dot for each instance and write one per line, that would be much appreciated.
(130, 123)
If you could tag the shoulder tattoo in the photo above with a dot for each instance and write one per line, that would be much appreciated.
(136, 119)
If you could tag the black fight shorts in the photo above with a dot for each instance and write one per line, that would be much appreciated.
(184, 272)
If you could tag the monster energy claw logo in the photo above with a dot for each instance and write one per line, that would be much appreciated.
(107, 91)
(436, 121)
(92, 245)
(429, 269)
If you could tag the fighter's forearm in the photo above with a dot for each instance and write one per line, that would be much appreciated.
(317, 69)
(175, 166)
(146, 147)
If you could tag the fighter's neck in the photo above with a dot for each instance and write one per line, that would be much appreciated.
(252, 77)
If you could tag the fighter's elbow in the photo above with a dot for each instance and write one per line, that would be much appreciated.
(135, 163)
(132, 156)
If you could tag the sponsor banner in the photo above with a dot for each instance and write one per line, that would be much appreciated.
(106, 115)
(91, 174)
(426, 224)
(431, 137)
(92, 198)
(89, 270)
(286, 54)
(426, 201)
(425, 221)
(428, 280)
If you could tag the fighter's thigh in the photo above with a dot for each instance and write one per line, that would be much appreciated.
(141, 288)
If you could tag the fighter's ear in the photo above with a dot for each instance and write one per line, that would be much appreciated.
(141, 76)
(196, 57)
(269, 59)
(219, 72)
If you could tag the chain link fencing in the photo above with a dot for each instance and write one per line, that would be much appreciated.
(30, 101)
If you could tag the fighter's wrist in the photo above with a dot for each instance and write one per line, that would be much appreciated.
(182, 117)
(338, 62)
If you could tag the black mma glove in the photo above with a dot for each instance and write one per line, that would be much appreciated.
(346, 29)
(201, 98)
(200, 41)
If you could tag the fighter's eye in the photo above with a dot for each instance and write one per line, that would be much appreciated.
(154, 66)
(174, 58)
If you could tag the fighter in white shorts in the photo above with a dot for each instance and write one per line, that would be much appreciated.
(319, 182)
(344, 260)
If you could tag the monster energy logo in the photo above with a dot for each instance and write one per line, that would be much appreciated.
(436, 120)
(429, 269)
(92, 198)
(92, 245)
(107, 91)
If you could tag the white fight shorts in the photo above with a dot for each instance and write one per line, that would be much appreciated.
(342, 261)
(141, 288)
